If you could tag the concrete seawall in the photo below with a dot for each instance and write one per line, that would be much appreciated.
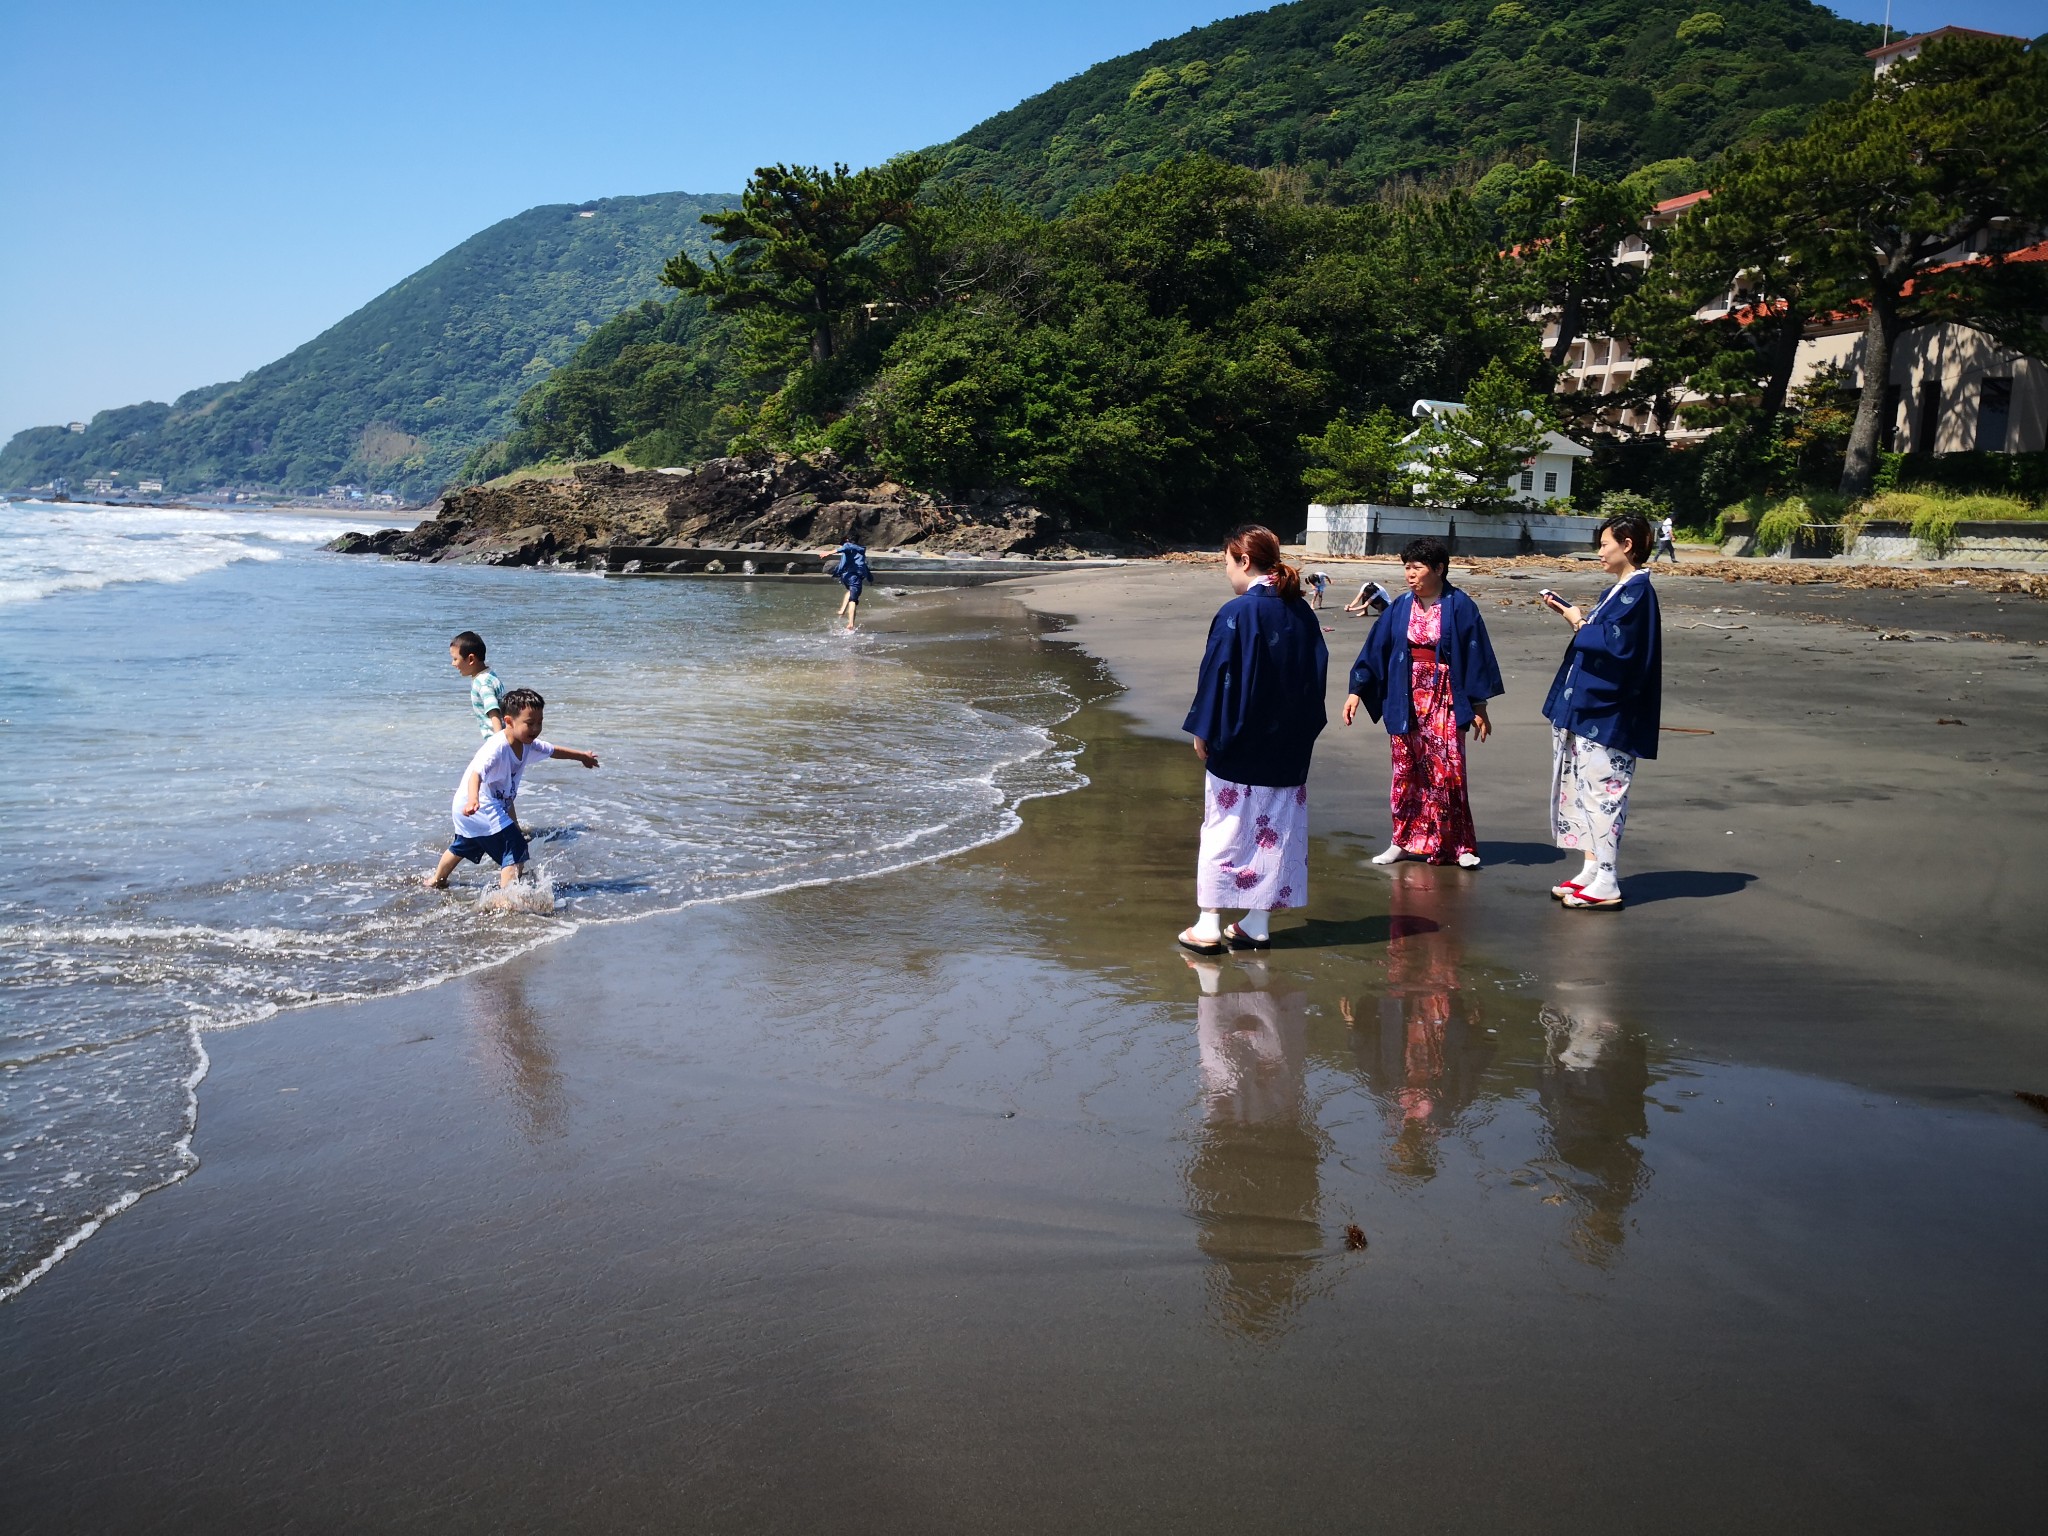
(1991, 543)
(1366, 528)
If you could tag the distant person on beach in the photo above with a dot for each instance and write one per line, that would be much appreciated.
(486, 693)
(1666, 533)
(1372, 598)
(485, 808)
(1317, 582)
(1426, 671)
(853, 573)
(1604, 709)
(1257, 712)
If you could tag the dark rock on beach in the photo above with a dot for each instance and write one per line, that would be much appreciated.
(382, 542)
(765, 501)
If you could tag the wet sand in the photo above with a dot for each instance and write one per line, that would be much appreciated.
(1831, 880)
(957, 1200)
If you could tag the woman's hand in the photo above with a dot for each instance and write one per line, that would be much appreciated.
(1481, 726)
(1201, 749)
(1572, 616)
(1351, 703)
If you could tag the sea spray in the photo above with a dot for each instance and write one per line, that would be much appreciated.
(534, 895)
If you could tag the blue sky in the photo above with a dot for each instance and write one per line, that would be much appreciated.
(188, 190)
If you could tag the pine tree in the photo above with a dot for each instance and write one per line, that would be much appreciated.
(803, 244)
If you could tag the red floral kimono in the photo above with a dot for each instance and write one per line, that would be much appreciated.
(1432, 816)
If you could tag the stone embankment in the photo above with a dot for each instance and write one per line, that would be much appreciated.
(768, 501)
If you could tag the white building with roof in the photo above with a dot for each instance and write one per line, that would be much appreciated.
(1535, 525)
(1545, 477)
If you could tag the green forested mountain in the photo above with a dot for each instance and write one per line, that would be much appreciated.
(394, 397)
(1359, 94)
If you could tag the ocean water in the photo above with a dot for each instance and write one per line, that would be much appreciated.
(230, 757)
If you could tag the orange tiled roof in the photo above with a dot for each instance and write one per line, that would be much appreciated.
(1920, 37)
(1674, 204)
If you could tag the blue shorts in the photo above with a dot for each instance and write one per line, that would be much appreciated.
(853, 590)
(507, 846)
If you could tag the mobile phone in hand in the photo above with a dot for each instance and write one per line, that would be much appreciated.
(1550, 597)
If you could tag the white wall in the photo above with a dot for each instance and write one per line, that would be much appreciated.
(1361, 528)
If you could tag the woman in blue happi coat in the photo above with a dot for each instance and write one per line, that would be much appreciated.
(1257, 712)
(1604, 709)
(1426, 671)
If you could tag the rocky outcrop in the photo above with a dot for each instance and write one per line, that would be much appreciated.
(382, 542)
(768, 501)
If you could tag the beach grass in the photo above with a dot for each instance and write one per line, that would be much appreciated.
(558, 469)
(1932, 512)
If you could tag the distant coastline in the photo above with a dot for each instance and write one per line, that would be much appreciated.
(337, 511)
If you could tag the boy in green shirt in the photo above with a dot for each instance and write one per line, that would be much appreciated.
(486, 693)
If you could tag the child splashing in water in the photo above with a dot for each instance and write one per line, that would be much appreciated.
(485, 807)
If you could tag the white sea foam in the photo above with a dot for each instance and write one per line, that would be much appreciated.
(237, 798)
(49, 548)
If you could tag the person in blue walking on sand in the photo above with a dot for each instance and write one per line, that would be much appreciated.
(853, 573)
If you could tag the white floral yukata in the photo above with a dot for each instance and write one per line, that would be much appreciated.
(1589, 785)
(1254, 847)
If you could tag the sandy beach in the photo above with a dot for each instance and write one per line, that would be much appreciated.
(958, 1200)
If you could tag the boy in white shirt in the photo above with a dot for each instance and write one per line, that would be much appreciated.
(485, 808)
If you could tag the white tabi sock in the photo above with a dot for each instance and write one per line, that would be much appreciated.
(1393, 853)
(1209, 927)
(1253, 925)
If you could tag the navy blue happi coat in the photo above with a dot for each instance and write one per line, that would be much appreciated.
(1382, 675)
(1610, 686)
(852, 570)
(1259, 705)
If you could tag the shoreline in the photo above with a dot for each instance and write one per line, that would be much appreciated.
(946, 608)
(956, 1200)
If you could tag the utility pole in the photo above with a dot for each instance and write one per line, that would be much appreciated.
(1887, 25)
(1576, 124)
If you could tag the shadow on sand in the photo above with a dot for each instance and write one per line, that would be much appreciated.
(1520, 853)
(1682, 884)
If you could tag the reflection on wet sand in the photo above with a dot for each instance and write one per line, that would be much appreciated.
(1592, 1093)
(1253, 1178)
(513, 1049)
(1422, 1046)
(1437, 1067)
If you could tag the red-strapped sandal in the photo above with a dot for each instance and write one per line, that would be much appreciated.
(1579, 901)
